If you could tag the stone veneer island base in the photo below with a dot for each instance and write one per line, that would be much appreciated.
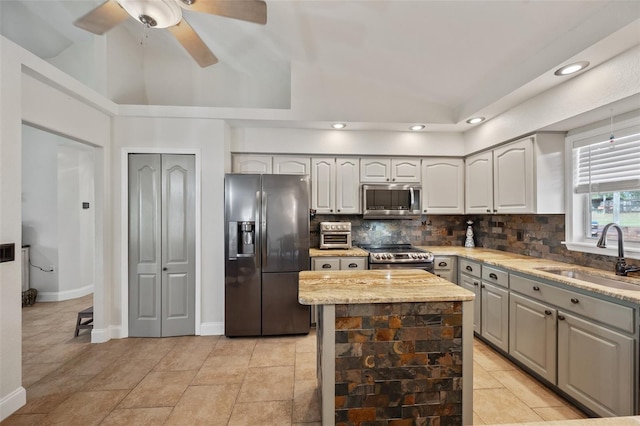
(393, 347)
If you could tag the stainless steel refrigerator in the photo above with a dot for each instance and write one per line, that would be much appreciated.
(266, 245)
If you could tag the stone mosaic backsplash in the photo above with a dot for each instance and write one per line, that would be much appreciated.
(531, 235)
(398, 363)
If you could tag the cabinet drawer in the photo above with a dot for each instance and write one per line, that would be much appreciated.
(325, 264)
(621, 317)
(495, 276)
(443, 263)
(353, 263)
(470, 268)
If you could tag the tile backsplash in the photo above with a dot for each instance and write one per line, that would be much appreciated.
(532, 235)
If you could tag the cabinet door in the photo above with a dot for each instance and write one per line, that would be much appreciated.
(252, 164)
(532, 335)
(323, 176)
(405, 170)
(375, 170)
(348, 186)
(513, 177)
(479, 183)
(291, 165)
(595, 366)
(473, 284)
(443, 185)
(495, 315)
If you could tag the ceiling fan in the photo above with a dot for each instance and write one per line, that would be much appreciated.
(168, 14)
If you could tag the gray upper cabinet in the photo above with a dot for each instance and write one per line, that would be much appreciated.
(389, 170)
(525, 176)
(335, 185)
(284, 165)
(249, 163)
(443, 186)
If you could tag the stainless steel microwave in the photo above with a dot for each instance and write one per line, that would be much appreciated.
(391, 201)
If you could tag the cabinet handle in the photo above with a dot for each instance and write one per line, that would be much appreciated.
(442, 264)
(493, 276)
(438, 275)
(574, 301)
(547, 312)
(338, 210)
(353, 265)
(165, 268)
(469, 268)
(326, 266)
(425, 210)
(476, 283)
(536, 288)
(561, 317)
(488, 210)
(387, 179)
(482, 286)
(394, 179)
(330, 210)
(495, 210)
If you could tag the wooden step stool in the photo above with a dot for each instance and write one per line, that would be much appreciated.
(87, 313)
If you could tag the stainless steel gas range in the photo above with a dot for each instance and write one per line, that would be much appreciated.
(398, 256)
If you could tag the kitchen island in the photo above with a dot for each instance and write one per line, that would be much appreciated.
(393, 345)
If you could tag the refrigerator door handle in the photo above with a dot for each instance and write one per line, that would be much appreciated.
(233, 240)
(263, 230)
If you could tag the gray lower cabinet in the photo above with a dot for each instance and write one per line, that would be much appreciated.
(595, 366)
(495, 315)
(532, 335)
(582, 344)
(445, 267)
(472, 284)
(491, 304)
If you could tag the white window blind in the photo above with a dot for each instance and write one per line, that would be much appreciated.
(604, 166)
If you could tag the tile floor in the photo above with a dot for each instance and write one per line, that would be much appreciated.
(214, 380)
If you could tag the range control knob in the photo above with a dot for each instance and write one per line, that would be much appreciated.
(377, 256)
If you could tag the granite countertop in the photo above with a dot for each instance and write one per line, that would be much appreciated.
(352, 252)
(530, 266)
(377, 286)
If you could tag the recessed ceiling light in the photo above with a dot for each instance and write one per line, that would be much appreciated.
(475, 120)
(338, 125)
(416, 127)
(573, 68)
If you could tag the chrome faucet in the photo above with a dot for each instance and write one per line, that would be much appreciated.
(621, 265)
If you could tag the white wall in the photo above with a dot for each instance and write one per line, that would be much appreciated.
(75, 184)
(301, 141)
(40, 206)
(208, 139)
(609, 82)
(38, 93)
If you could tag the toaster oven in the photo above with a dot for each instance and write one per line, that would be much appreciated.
(335, 235)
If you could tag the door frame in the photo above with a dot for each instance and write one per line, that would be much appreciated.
(124, 231)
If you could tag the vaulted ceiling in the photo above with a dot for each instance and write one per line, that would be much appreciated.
(375, 63)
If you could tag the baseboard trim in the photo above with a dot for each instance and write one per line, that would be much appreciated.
(212, 329)
(12, 402)
(58, 296)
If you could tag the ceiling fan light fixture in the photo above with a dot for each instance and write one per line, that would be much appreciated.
(153, 13)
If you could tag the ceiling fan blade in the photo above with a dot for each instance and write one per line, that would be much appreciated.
(192, 42)
(102, 18)
(246, 10)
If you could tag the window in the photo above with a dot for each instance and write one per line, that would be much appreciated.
(605, 185)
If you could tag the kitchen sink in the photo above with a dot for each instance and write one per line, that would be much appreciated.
(595, 279)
